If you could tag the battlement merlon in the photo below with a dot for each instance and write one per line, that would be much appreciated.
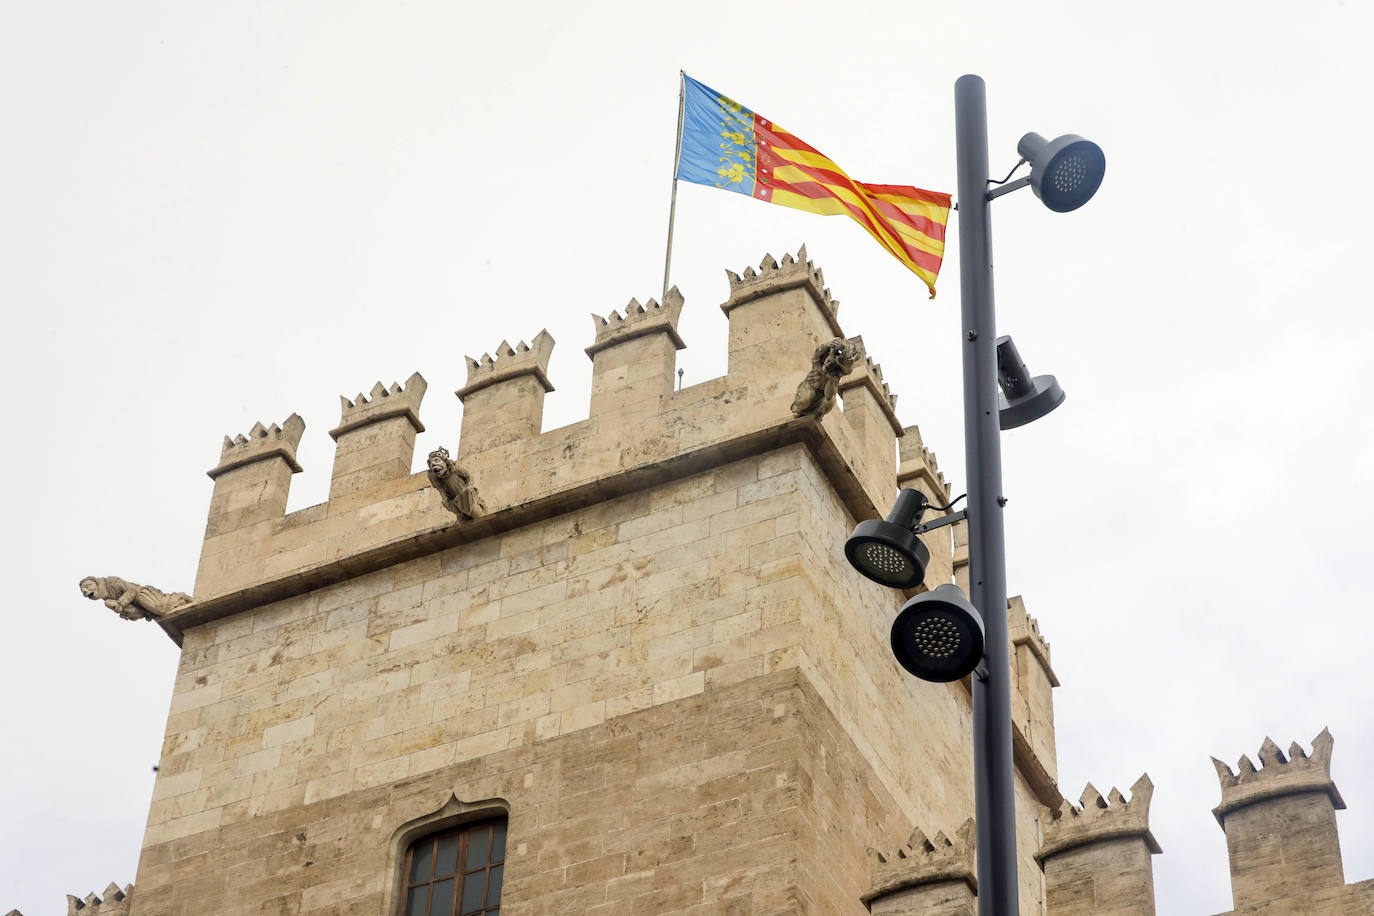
(1034, 681)
(917, 467)
(1024, 630)
(924, 861)
(774, 311)
(1097, 819)
(253, 478)
(1098, 857)
(1280, 825)
(868, 379)
(503, 401)
(375, 438)
(1277, 776)
(115, 902)
(633, 357)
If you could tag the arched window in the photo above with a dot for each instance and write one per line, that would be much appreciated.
(457, 872)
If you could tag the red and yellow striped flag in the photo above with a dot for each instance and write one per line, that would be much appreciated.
(725, 145)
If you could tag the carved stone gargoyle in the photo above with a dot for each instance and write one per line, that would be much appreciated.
(131, 600)
(454, 485)
(832, 361)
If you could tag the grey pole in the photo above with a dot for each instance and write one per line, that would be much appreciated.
(992, 759)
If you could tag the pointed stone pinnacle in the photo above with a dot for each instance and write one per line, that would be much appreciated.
(1269, 753)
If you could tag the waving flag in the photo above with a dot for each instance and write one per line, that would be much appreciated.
(725, 145)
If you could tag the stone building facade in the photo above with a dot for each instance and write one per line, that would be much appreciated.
(634, 639)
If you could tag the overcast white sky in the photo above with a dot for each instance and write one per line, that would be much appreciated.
(212, 214)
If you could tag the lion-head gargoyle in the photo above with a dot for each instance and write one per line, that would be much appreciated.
(832, 361)
(131, 600)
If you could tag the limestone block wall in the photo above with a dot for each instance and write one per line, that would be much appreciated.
(326, 701)
(367, 662)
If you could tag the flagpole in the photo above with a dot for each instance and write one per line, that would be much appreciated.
(677, 155)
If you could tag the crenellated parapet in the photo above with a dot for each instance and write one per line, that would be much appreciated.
(866, 385)
(925, 876)
(503, 400)
(1280, 823)
(1034, 680)
(634, 355)
(640, 429)
(375, 438)
(773, 277)
(1095, 819)
(918, 468)
(638, 321)
(383, 403)
(1096, 856)
(115, 902)
(261, 444)
(524, 359)
(1277, 775)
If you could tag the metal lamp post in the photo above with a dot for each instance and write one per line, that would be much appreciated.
(1065, 173)
(992, 763)
(938, 636)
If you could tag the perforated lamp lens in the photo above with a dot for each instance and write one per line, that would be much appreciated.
(938, 636)
(888, 554)
(1065, 172)
(888, 551)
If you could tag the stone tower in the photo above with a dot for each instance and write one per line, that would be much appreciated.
(621, 667)
(646, 653)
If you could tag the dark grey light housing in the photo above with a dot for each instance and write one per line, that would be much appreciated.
(888, 551)
(1065, 172)
(938, 636)
(1022, 398)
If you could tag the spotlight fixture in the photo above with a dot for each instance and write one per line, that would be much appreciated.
(1023, 398)
(1065, 172)
(888, 552)
(938, 636)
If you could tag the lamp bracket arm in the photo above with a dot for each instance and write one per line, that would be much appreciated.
(1007, 188)
(941, 522)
